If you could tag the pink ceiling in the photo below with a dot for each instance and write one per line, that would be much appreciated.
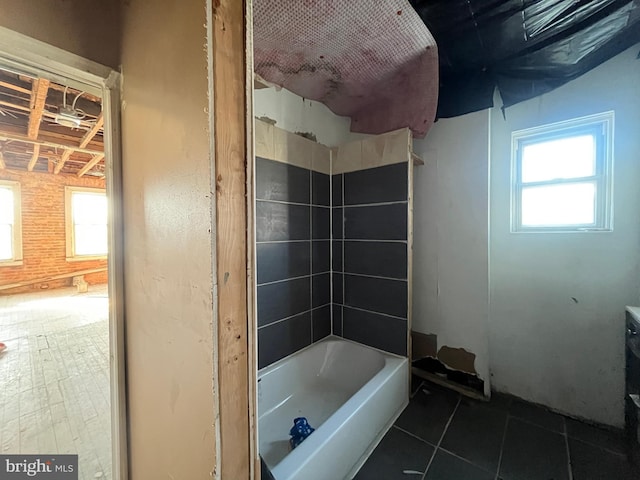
(375, 62)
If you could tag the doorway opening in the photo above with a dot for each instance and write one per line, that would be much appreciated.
(60, 276)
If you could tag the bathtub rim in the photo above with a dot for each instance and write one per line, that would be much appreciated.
(307, 446)
(277, 364)
(398, 363)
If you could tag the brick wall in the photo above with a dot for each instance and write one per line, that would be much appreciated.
(43, 231)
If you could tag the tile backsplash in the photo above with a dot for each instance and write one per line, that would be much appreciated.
(332, 257)
(293, 254)
(370, 256)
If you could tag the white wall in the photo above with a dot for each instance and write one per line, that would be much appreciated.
(544, 346)
(169, 230)
(297, 114)
(451, 252)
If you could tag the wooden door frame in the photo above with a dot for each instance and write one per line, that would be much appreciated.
(21, 53)
(230, 47)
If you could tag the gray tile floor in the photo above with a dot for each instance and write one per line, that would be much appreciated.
(54, 377)
(444, 436)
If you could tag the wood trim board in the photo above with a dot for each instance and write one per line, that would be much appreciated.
(231, 136)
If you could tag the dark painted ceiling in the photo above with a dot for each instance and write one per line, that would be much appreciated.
(523, 47)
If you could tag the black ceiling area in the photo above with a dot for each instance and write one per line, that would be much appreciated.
(524, 48)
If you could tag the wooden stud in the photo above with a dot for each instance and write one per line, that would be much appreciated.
(230, 150)
(59, 136)
(34, 158)
(3, 165)
(83, 143)
(252, 331)
(90, 164)
(39, 92)
(44, 143)
(410, 159)
(16, 88)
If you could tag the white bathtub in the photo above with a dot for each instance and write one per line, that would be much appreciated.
(350, 393)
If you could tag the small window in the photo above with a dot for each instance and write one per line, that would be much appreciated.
(10, 224)
(562, 176)
(86, 213)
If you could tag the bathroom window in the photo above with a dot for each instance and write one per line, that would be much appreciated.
(10, 224)
(562, 176)
(86, 223)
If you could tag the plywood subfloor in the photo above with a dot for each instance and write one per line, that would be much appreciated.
(54, 376)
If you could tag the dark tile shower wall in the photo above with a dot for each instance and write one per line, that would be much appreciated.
(293, 234)
(369, 264)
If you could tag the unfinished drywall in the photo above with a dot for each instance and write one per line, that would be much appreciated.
(451, 251)
(168, 241)
(544, 346)
(89, 28)
(44, 237)
(296, 114)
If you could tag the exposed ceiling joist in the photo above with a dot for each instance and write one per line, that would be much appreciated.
(83, 143)
(16, 88)
(34, 158)
(61, 135)
(90, 164)
(36, 106)
(20, 138)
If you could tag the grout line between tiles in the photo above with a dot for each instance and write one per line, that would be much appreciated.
(413, 394)
(372, 240)
(412, 435)
(464, 459)
(378, 204)
(529, 422)
(311, 249)
(599, 447)
(331, 247)
(371, 311)
(292, 316)
(504, 436)
(342, 237)
(259, 242)
(446, 427)
(284, 202)
(375, 276)
(285, 280)
(566, 443)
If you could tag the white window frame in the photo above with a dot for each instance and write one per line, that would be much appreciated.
(17, 224)
(601, 126)
(69, 225)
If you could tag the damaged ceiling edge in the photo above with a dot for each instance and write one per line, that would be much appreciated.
(378, 66)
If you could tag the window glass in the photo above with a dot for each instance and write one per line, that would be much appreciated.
(563, 158)
(6, 242)
(562, 176)
(557, 205)
(89, 211)
(7, 211)
(7, 207)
